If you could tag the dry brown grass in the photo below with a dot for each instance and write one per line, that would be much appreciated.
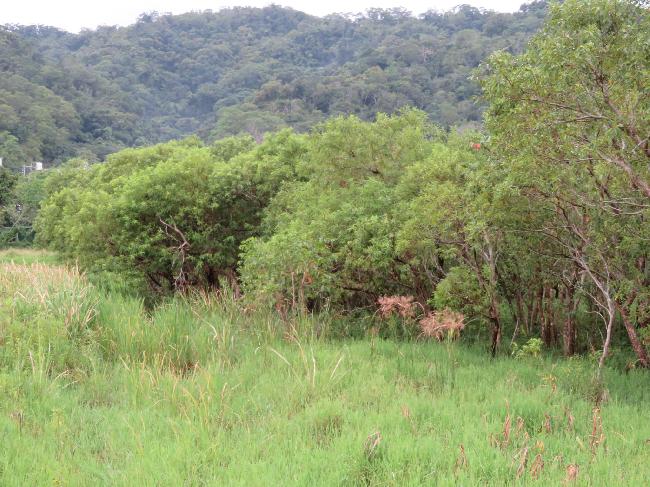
(54, 290)
(396, 305)
(37, 282)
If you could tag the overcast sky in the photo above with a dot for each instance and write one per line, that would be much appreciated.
(73, 15)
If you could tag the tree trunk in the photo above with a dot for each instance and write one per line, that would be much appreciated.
(568, 336)
(233, 282)
(637, 346)
(496, 325)
(547, 337)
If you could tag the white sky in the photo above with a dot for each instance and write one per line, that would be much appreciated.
(72, 15)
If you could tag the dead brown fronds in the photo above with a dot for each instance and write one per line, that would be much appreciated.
(442, 324)
(396, 305)
(537, 466)
(461, 461)
(371, 445)
(547, 423)
(572, 472)
(504, 440)
(523, 461)
(597, 436)
(507, 427)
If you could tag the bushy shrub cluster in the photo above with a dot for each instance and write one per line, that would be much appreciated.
(172, 215)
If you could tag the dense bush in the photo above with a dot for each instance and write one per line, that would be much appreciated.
(20, 199)
(172, 214)
(330, 239)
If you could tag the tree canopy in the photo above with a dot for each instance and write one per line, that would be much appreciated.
(238, 70)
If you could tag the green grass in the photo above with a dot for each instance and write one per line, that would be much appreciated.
(28, 256)
(97, 390)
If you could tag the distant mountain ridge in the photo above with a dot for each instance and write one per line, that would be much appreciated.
(238, 70)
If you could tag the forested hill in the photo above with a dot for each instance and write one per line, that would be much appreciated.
(238, 70)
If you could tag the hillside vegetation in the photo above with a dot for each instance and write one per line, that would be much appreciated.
(238, 70)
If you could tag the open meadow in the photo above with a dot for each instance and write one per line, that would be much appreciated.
(97, 390)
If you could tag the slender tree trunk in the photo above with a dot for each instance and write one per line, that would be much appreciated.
(521, 314)
(608, 338)
(568, 335)
(496, 325)
(532, 313)
(516, 312)
(233, 282)
(607, 306)
(547, 335)
(637, 346)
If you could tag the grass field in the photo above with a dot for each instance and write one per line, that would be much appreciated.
(97, 390)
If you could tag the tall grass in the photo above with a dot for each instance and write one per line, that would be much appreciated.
(96, 389)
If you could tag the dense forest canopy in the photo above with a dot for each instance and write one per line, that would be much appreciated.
(239, 70)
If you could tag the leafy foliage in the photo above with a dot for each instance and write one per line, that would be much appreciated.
(568, 116)
(173, 214)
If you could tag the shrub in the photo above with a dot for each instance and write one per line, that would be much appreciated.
(532, 348)
(174, 214)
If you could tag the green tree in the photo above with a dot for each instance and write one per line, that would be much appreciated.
(173, 214)
(571, 117)
(329, 239)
